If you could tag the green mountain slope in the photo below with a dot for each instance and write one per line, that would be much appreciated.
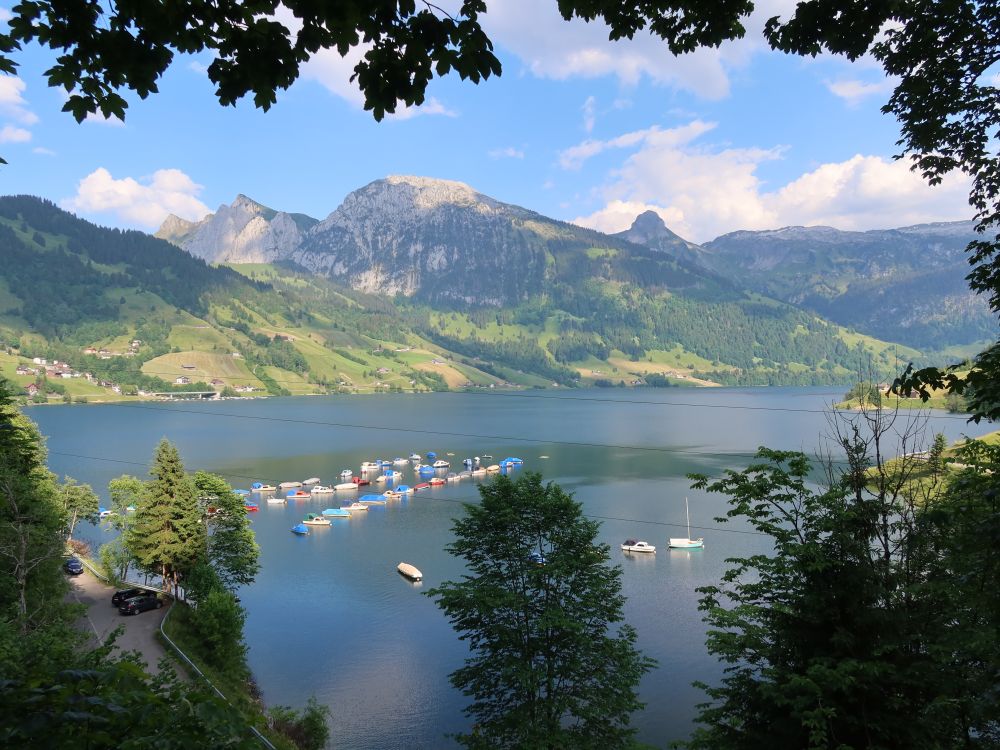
(605, 311)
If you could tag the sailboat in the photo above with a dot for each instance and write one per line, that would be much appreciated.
(688, 543)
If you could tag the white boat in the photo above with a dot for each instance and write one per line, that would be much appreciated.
(493, 468)
(276, 499)
(311, 480)
(261, 488)
(370, 466)
(346, 474)
(391, 475)
(355, 506)
(410, 571)
(633, 545)
(320, 489)
(399, 460)
(414, 456)
(453, 477)
(289, 485)
(314, 520)
(345, 486)
(441, 464)
(687, 542)
(478, 471)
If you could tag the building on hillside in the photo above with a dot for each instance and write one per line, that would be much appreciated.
(216, 381)
(31, 389)
(182, 380)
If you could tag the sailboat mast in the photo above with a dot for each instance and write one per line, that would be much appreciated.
(687, 512)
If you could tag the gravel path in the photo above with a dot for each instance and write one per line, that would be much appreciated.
(101, 618)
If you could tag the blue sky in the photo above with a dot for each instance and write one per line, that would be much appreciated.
(577, 128)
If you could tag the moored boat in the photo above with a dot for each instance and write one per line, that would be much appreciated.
(300, 529)
(453, 477)
(399, 460)
(251, 507)
(436, 481)
(422, 486)
(361, 481)
(311, 480)
(320, 489)
(289, 485)
(414, 456)
(276, 499)
(338, 512)
(242, 493)
(315, 520)
(403, 489)
(346, 474)
(259, 487)
(355, 507)
(392, 475)
(440, 464)
(298, 495)
(343, 486)
(686, 542)
(372, 499)
(369, 466)
(410, 571)
(635, 545)
(493, 468)
(478, 471)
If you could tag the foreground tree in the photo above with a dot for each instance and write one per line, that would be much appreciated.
(167, 536)
(537, 608)
(79, 502)
(849, 633)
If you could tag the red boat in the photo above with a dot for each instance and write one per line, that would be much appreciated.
(421, 486)
(251, 507)
(436, 481)
(360, 481)
(298, 495)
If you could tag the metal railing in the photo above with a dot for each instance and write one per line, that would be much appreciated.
(177, 649)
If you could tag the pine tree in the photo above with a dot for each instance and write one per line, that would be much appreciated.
(167, 536)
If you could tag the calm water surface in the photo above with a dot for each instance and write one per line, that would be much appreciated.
(330, 617)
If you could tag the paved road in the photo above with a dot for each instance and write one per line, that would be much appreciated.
(101, 618)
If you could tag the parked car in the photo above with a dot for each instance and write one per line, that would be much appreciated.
(73, 566)
(138, 604)
(119, 596)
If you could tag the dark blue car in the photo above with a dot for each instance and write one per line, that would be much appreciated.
(73, 566)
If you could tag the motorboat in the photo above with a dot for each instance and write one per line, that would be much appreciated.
(361, 481)
(453, 477)
(276, 499)
(311, 480)
(300, 529)
(399, 460)
(410, 571)
(414, 456)
(441, 464)
(339, 512)
(346, 474)
(251, 507)
(315, 520)
(370, 466)
(634, 545)
(392, 475)
(242, 493)
(289, 485)
(372, 499)
(436, 481)
(355, 507)
(422, 486)
(298, 495)
(512, 460)
(320, 489)
(345, 486)
(258, 487)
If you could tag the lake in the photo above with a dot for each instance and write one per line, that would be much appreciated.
(330, 617)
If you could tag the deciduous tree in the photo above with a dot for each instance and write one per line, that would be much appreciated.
(552, 665)
(79, 502)
(232, 547)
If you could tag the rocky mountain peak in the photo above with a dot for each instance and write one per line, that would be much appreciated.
(175, 229)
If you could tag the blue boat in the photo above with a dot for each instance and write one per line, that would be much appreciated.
(300, 528)
(431, 456)
(337, 513)
(425, 470)
(242, 493)
(512, 461)
(256, 486)
(403, 489)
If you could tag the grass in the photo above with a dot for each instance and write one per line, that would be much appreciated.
(207, 365)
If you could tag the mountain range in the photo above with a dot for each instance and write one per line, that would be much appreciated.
(439, 241)
(415, 284)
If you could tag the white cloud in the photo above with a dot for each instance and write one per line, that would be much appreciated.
(551, 47)
(99, 119)
(333, 72)
(704, 191)
(574, 157)
(853, 91)
(198, 67)
(43, 151)
(5, 15)
(12, 102)
(506, 153)
(10, 134)
(145, 202)
(589, 114)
